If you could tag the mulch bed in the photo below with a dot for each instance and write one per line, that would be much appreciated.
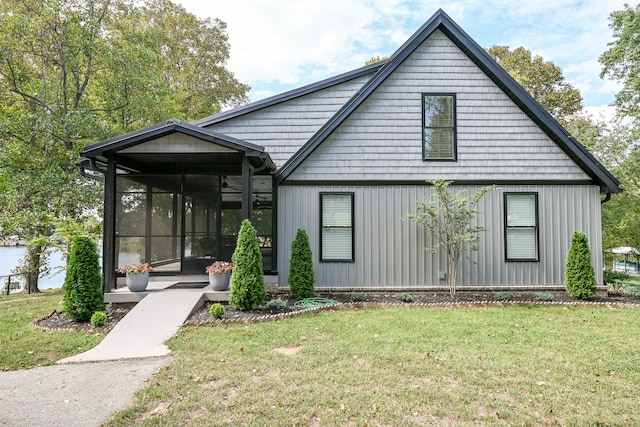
(115, 312)
(60, 322)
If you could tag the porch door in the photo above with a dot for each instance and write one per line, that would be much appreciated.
(200, 244)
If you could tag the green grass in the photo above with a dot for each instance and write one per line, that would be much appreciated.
(24, 347)
(532, 365)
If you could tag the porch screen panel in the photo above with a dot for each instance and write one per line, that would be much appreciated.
(336, 227)
(521, 212)
(130, 227)
(166, 212)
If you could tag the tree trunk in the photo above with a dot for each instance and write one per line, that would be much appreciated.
(32, 264)
(453, 273)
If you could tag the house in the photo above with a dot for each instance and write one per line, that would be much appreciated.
(346, 158)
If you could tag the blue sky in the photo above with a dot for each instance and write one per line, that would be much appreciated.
(277, 45)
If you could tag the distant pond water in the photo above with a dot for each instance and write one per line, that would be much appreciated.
(10, 257)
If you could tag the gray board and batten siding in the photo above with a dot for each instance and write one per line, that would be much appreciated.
(381, 139)
(367, 140)
(390, 252)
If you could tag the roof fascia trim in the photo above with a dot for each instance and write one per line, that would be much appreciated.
(440, 20)
(166, 128)
(287, 96)
(369, 87)
(570, 145)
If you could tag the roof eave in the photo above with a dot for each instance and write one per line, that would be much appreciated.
(166, 128)
(440, 20)
(289, 95)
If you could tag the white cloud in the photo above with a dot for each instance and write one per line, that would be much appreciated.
(294, 42)
(605, 113)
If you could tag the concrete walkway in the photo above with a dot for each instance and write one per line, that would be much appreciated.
(82, 394)
(143, 331)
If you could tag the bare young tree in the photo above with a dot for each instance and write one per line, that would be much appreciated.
(448, 216)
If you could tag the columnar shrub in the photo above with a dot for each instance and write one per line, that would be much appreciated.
(301, 276)
(247, 280)
(83, 284)
(580, 278)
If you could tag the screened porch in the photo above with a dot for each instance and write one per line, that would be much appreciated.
(175, 197)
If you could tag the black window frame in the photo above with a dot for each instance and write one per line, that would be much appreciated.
(454, 128)
(536, 226)
(352, 198)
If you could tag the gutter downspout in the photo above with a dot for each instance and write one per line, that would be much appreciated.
(260, 169)
(84, 173)
(607, 197)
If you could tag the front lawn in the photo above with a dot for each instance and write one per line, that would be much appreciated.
(516, 365)
(22, 346)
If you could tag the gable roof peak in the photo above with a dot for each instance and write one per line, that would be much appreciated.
(441, 21)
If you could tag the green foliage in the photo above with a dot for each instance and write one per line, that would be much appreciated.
(375, 59)
(611, 276)
(544, 296)
(301, 274)
(35, 262)
(217, 310)
(99, 318)
(358, 297)
(83, 284)
(76, 72)
(247, 280)
(631, 287)
(503, 296)
(622, 60)
(448, 217)
(580, 279)
(277, 304)
(404, 297)
(542, 79)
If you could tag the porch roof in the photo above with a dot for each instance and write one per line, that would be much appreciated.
(205, 147)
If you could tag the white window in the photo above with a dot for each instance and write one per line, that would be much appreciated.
(521, 226)
(336, 227)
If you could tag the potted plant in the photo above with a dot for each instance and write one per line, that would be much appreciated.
(137, 276)
(219, 275)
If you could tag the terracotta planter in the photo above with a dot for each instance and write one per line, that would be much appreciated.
(137, 282)
(219, 282)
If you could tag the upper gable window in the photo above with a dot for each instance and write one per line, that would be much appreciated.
(439, 126)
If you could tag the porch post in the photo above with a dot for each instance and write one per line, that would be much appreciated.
(247, 190)
(109, 237)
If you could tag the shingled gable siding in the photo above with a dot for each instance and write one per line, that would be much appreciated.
(283, 128)
(390, 252)
(382, 139)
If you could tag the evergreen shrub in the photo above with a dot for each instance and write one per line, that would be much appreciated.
(301, 275)
(277, 304)
(580, 278)
(82, 284)
(99, 318)
(247, 280)
(217, 310)
(358, 297)
(405, 297)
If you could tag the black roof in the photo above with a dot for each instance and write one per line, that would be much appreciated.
(287, 96)
(441, 21)
(101, 150)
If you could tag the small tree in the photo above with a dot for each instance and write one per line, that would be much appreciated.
(83, 284)
(580, 278)
(448, 216)
(247, 279)
(301, 276)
